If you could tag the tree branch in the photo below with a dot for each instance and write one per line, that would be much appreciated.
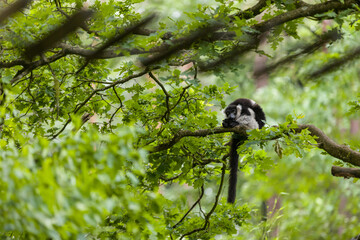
(252, 11)
(83, 25)
(345, 172)
(167, 96)
(12, 9)
(333, 65)
(246, 14)
(329, 36)
(304, 11)
(31, 66)
(10, 64)
(184, 42)
(341, 152)
(54, 36)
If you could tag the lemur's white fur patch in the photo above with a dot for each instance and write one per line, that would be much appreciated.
(252, 102)
(253, 123)
(238, 112)
(246, 120)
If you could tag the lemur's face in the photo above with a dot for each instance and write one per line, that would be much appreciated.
(231, 114)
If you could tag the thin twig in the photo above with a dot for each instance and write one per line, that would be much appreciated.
(57, 92)
(180, 97)
(171, 178)
(208, 215)
(121, 105)
(192, 207)
(167, 96)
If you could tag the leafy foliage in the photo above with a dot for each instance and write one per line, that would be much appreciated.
(61, 189)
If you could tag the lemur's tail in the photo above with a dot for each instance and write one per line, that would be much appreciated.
(236, 141)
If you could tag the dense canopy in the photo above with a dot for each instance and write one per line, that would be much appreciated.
(110, 117)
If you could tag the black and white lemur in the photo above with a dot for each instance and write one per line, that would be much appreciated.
(244, 112)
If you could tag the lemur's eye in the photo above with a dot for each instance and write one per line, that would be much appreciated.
(228, 112)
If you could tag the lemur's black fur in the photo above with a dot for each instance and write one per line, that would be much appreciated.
(247, 113)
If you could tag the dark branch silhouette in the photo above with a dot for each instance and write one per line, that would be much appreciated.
(53, 37)
(12, 9)
(335, 64)
(123, 33)
(181, 43)
(329, 36)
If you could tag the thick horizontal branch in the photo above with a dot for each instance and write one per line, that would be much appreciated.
(304, 11)
(10, 64)
(345, 172)
(106, 54)
(341, 152)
